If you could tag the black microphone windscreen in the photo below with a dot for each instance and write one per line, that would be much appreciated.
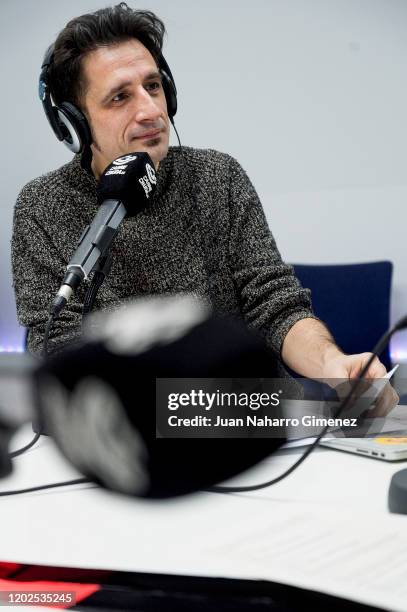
(130, 179)
(99, 398)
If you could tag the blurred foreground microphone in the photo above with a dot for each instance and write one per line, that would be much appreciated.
(123, 190)
(97, 399)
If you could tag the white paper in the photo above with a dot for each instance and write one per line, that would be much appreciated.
(271, 535)
(345, 555)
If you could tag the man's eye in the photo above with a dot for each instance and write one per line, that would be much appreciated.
(155, 86)
(118, 97)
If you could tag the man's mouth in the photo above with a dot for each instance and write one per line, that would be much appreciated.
(148, 135)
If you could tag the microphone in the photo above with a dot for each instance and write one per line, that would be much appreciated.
(98, 399)
(124, 189)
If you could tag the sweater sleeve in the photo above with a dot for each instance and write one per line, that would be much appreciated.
(272, 298)
(38, 270)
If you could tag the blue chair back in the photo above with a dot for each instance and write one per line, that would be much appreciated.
(353, 300)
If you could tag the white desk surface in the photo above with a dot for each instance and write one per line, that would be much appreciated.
(338, 499)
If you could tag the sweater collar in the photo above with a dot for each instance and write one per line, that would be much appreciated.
(81, 166)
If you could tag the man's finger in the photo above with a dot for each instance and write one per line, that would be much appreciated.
(376, 369)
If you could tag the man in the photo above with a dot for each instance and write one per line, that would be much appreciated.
(205, 231)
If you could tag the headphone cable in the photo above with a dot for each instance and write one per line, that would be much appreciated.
(378, 349)
(20, 451)
(43, 487)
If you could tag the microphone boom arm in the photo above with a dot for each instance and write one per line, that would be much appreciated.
(99, 236)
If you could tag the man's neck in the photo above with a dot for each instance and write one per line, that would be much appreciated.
(96, 166)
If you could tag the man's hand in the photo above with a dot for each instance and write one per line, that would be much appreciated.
(350, 367)
(339, 365)
(310, 350)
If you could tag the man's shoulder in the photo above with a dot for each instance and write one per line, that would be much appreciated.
(204, 160)
(45, 187)
(214, 170)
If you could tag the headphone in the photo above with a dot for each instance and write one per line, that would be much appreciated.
(68, 122)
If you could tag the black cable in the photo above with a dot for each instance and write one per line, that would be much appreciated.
(48, 326)
(46, 334)
(35, 439)
(42, 487)
(20, 451)
(101, 272)
(176, 131)
(91, 293)
(378, 349)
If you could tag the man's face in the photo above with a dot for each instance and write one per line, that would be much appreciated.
(125, 104)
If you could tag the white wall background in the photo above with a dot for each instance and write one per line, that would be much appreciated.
(309, 95)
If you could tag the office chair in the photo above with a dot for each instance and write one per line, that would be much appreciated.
(353, 300)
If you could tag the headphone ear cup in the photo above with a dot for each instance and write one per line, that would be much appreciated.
(75, 126)
(170, 93)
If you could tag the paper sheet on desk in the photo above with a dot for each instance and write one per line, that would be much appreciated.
(297, 547)
(360, 556)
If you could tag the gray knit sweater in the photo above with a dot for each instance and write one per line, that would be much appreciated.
(205, 232)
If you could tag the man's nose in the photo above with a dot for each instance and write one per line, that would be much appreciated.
(146, 109)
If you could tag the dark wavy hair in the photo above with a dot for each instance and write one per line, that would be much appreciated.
(108, 26)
